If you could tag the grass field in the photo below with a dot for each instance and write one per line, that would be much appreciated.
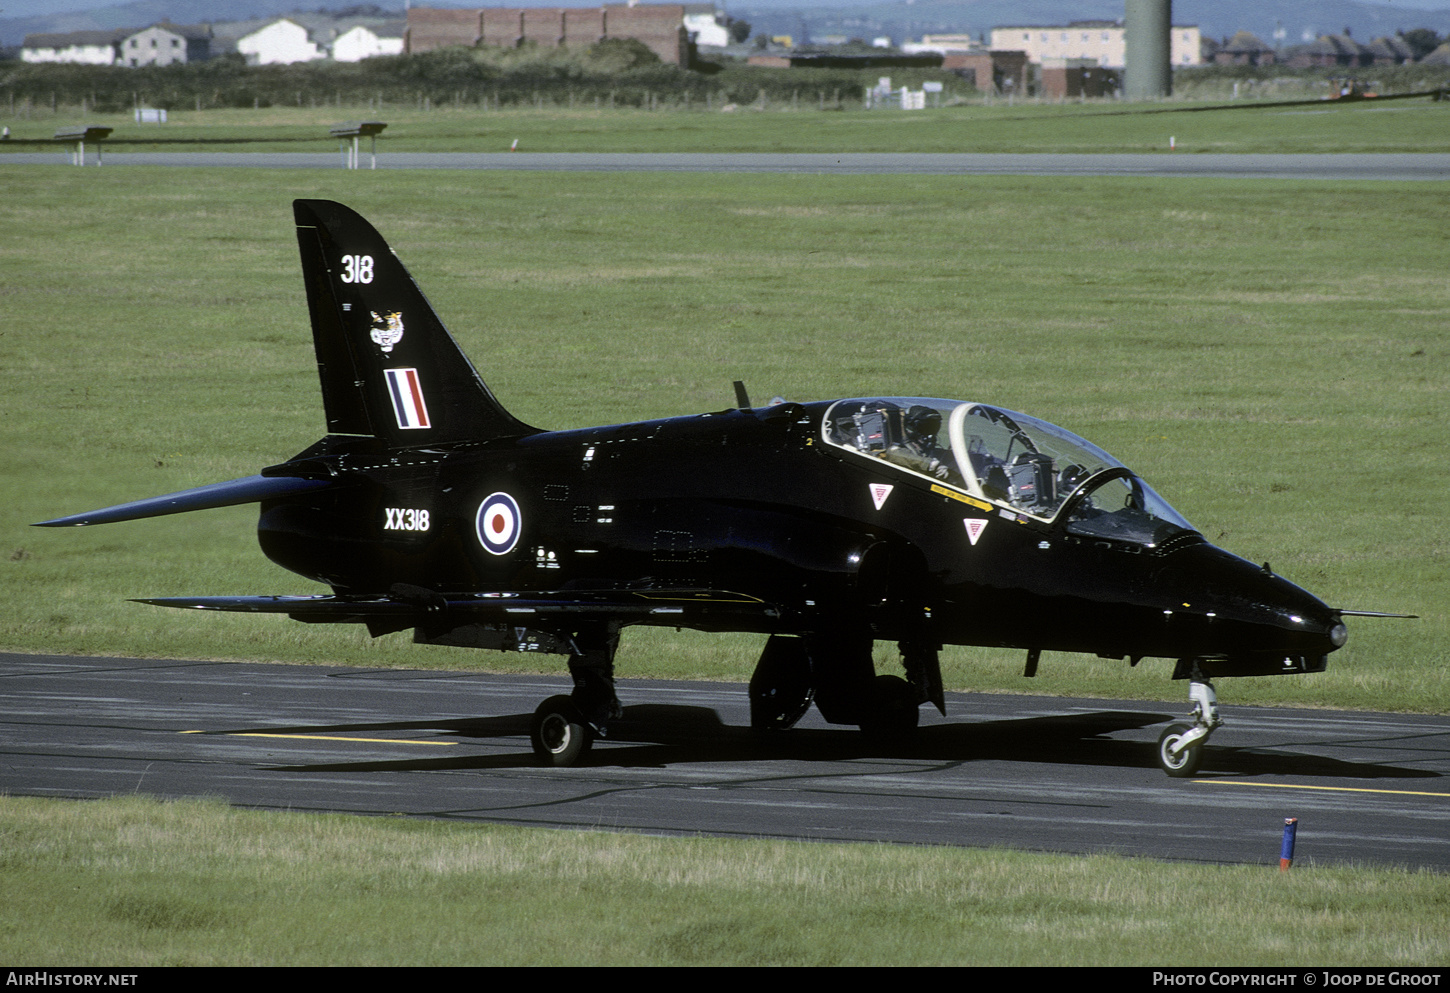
(1417, 125)
(135, 882)
(1270, 355)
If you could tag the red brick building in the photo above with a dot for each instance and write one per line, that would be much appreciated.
(1245, 49)
(993, 72)
(1064, 79)
(661, 27)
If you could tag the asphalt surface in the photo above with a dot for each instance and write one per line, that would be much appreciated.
(1038, 773)
(1383, 166)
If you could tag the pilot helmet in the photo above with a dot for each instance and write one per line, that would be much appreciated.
(923, 422)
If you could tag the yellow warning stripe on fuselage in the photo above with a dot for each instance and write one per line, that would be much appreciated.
(971, 501)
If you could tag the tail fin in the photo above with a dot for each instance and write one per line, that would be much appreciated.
(389, 367)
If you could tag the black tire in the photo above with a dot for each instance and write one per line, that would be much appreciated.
(1186, 762)
(559, 733)
(893, 710)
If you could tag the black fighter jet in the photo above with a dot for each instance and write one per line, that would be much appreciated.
(826, 526)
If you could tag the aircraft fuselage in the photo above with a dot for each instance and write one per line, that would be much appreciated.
(752, 501)
(828, 526)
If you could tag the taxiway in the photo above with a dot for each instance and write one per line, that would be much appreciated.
(1037, 773)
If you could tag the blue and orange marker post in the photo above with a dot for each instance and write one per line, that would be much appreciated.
(1286, 851)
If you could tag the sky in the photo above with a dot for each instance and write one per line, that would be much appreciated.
(31, 8)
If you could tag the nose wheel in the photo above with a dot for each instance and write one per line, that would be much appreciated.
(1176, 758)
(1180, 746)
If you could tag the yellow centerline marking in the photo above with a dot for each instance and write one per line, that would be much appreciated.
(325, 737)
(1332, 789)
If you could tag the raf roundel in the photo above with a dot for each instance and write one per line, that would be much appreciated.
(498, 524)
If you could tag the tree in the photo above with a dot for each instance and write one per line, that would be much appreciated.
(739, 30)
(1422, 41)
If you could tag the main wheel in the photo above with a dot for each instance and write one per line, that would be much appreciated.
(559, 733)
(1186, 762)
(894, 710)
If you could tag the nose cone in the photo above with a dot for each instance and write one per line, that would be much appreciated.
(1248, 609)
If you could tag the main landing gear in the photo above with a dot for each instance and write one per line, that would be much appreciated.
(1180, 746)
(564, 727)
(833, 669)
(559, 733)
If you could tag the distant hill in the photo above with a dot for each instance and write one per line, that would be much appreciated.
(902, 20)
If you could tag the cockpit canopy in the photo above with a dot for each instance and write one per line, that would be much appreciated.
(1014, 461)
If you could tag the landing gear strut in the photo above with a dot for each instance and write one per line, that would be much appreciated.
(564, 727)
(1180, 746)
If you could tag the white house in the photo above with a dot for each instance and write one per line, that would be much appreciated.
(703, 24)
(362, 42)
(87, 47)
(281, 42)
(165, 43)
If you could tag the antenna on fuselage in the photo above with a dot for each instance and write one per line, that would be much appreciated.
(742, 399)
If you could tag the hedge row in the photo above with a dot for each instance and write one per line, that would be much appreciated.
(612, 72)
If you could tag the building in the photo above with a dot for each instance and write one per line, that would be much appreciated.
(262, 41)
(872, 59)
(1100, 41)
(1245, 49)
(433, 27)
(166, 44)
(660, 27)
(281, 42)
(1063, 79)
(1334, 50)
(992, 72)
(705, 25)
(1439, 57)
(944, 44)
(1391, 51)
(363, 42)
(100, 48)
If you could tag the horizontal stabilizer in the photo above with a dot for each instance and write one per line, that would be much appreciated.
(250, 489)
(318, 607)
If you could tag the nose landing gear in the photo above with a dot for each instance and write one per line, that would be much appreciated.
(1180, 746)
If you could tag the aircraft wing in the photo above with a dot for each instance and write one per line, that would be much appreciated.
(403, 607)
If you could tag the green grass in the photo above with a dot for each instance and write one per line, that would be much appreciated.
(1401, 126)
(133, 882)
(1271, 355)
